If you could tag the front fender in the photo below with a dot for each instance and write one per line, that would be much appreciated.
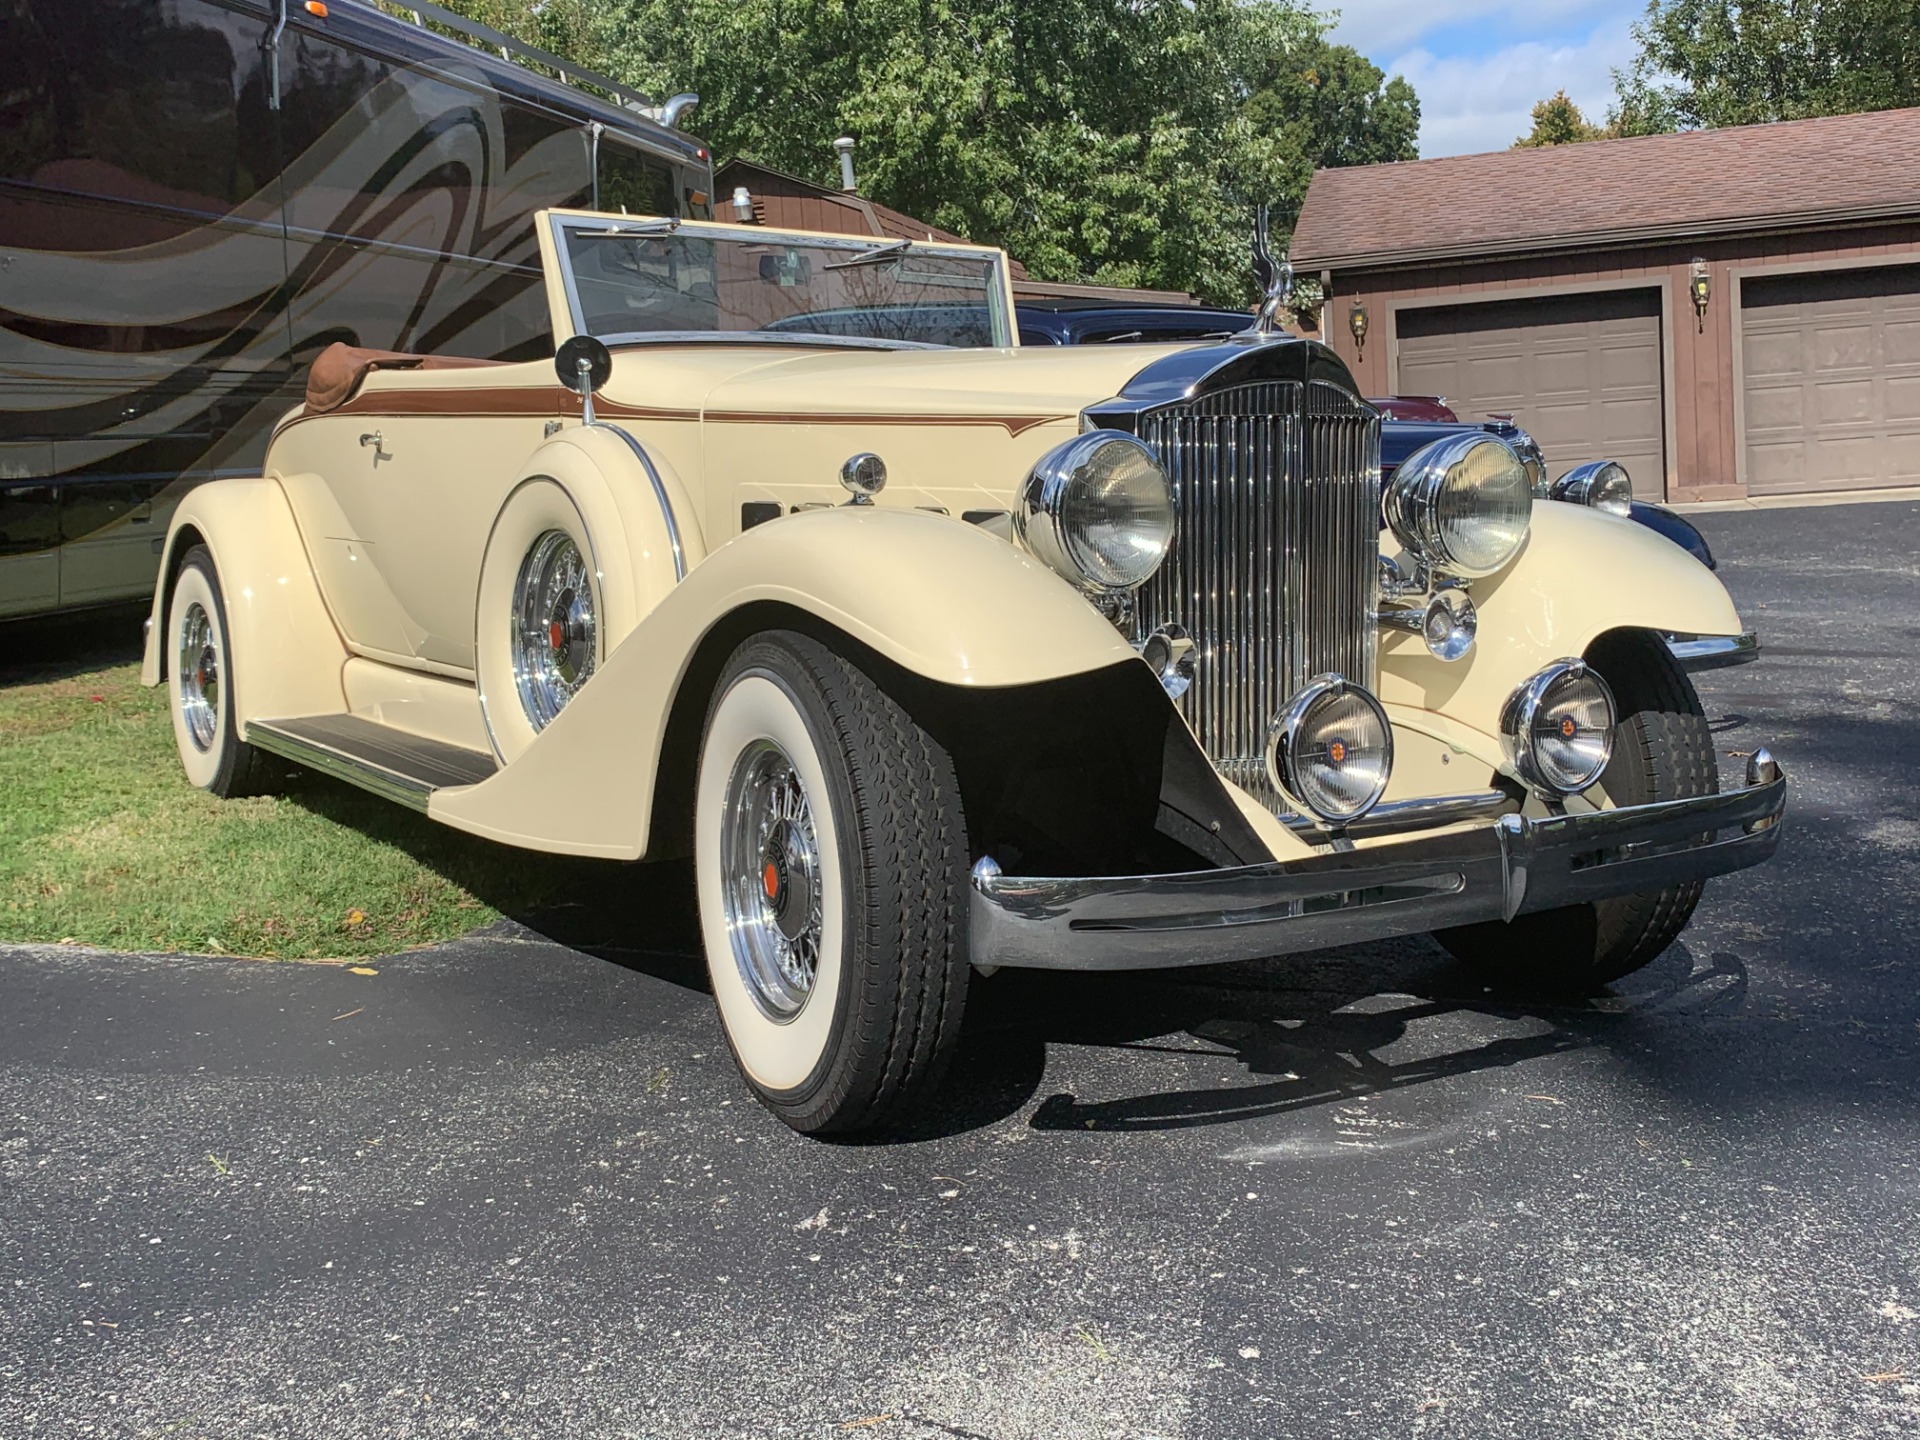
(935, 596)
(1581, 574)
(287, 655)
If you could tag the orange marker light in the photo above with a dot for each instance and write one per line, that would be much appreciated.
(317, 9)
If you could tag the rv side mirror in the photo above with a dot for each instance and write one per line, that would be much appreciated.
(583, 365)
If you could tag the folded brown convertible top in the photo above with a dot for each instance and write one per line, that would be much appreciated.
(338, 370)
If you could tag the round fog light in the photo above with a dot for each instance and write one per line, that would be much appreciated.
(1559, 728)
(1331, 749)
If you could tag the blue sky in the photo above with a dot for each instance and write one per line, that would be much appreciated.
(1479, 66)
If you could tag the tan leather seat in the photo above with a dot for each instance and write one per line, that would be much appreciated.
(338, 370)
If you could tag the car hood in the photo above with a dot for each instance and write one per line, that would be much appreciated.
(1021, 387)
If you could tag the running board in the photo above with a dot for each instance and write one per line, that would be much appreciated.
(391, 763)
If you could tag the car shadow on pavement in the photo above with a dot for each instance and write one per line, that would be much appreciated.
(1306, 1046)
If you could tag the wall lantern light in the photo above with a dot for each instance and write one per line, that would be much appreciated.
(1701, 290)
(1357, 323)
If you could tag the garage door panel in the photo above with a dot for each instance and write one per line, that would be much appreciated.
(1632, 422)
(1580, 372)
(1903, 398)
(1623, 368)
(1831, 379)
(1768, 354)
(1776, 467)
(1844, 402)
(1843, 347)
(1903, 342)
(1775, 408)
(1562, 374)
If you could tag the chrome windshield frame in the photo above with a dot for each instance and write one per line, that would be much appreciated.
(998, 286)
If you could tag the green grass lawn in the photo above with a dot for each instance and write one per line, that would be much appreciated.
(103, 842)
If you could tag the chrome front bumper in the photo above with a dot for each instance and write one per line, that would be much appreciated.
(1493, 872)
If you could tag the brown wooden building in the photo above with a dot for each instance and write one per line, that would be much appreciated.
(1729, 313)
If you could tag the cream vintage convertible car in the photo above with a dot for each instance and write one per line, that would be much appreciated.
(941, 655)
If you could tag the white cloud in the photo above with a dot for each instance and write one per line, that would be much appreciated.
(1485, 102)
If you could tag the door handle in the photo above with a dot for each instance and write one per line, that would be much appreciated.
(374, 438)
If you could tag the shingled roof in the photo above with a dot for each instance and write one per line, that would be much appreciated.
(1699, 182)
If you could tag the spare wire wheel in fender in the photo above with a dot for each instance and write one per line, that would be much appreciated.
(540, 631)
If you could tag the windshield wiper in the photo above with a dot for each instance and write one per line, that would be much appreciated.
(640, 227)
(890, 251)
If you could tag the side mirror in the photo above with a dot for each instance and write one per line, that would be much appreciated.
(583, 365)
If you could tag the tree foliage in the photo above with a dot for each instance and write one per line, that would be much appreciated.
(1124, 142)
(1558, 121)
(1741, 62)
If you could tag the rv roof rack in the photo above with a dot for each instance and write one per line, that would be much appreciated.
(510, 49)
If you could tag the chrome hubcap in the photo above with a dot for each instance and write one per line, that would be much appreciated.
(553, 630)
(197, 671)
(770, 878)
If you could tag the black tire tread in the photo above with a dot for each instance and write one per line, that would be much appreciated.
(908, 879)
(1663, 750)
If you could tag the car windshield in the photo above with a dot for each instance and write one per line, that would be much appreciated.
(636, 279)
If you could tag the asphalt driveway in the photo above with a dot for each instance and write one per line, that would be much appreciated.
(512, 1186)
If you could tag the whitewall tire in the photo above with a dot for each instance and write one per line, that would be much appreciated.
(831, 862)
(199, 670)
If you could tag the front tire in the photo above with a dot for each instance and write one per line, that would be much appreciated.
(200, 687)
(1662, 750)
(831, 862)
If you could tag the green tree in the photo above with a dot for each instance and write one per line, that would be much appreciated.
(1104, 140)
(1328, 105)
(1558, 121)
(1125, 142)
(1741, 62)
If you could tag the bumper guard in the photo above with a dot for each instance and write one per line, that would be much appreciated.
(1494, 872)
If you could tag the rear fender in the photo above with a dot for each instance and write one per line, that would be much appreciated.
(933, 596)
(287, 655)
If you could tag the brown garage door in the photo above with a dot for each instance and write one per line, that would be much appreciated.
(1580, 372)
(1831, 380)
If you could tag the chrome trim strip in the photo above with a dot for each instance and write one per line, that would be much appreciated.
(1714, 652)
(354, 769)
(1397, 817)
(1512, 867)
(659, 494)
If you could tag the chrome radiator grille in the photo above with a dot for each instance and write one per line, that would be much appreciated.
(1275, 568)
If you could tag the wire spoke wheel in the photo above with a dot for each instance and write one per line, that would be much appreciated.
(831, 862)
(770, 860)
(553, 627)
(197, 675)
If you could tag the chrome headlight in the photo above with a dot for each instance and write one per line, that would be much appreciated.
(1331, 749)
(1601, 484)
(1461, 504)
(1098, 510)
(1559, 728)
